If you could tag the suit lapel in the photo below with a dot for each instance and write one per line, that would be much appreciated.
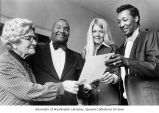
(136, 45)
(68, 63)
(47, 61)
(121, 49)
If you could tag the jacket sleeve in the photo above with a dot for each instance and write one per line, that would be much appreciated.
(15, 82)
(147, 62)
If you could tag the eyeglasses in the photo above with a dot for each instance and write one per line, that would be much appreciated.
(30, 38)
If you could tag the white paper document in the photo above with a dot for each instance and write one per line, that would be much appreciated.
(93, 68)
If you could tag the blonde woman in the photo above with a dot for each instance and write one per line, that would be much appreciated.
(99, 41)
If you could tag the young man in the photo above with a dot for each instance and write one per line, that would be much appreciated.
(138, 59)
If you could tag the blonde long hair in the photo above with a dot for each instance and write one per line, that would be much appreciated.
(89, 48)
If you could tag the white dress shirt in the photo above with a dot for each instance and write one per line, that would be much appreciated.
(129, 43)
(58, 59)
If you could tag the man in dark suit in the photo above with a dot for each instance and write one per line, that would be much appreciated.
(138, 59)
(54, 62)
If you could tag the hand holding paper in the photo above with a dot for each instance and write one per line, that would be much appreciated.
(93, 69)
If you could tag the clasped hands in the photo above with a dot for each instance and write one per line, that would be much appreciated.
(73, 86)
(116, 60)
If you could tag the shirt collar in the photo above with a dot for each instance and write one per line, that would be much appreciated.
(51, 43)
(103, 43)
(52, 48)
(19, 58)
(133, 36)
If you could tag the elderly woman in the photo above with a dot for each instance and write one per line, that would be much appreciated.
(17, 83)
(99, 41)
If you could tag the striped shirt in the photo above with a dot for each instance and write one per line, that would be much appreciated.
(18, 85)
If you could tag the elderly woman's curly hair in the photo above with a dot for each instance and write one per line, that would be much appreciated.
(15, 29)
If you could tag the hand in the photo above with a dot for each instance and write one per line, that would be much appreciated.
(117, 60)
(87, 86)
(71, 86)
(109, 78)
(87, 89)
(95, 84)
(84, 90)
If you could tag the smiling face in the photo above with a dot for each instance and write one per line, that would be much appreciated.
(60, 32)
(26, 45)
(127, 23)
(98, 34)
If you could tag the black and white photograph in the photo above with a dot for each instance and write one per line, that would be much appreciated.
(79, 56)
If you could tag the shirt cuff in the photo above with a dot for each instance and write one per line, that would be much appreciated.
(60, 88)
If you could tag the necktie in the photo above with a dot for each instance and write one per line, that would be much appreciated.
(123, 70)
(57, 45)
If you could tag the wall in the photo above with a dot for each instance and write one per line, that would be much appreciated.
(45, 12)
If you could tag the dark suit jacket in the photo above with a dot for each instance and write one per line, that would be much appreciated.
(45, 72)
(142, 83)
